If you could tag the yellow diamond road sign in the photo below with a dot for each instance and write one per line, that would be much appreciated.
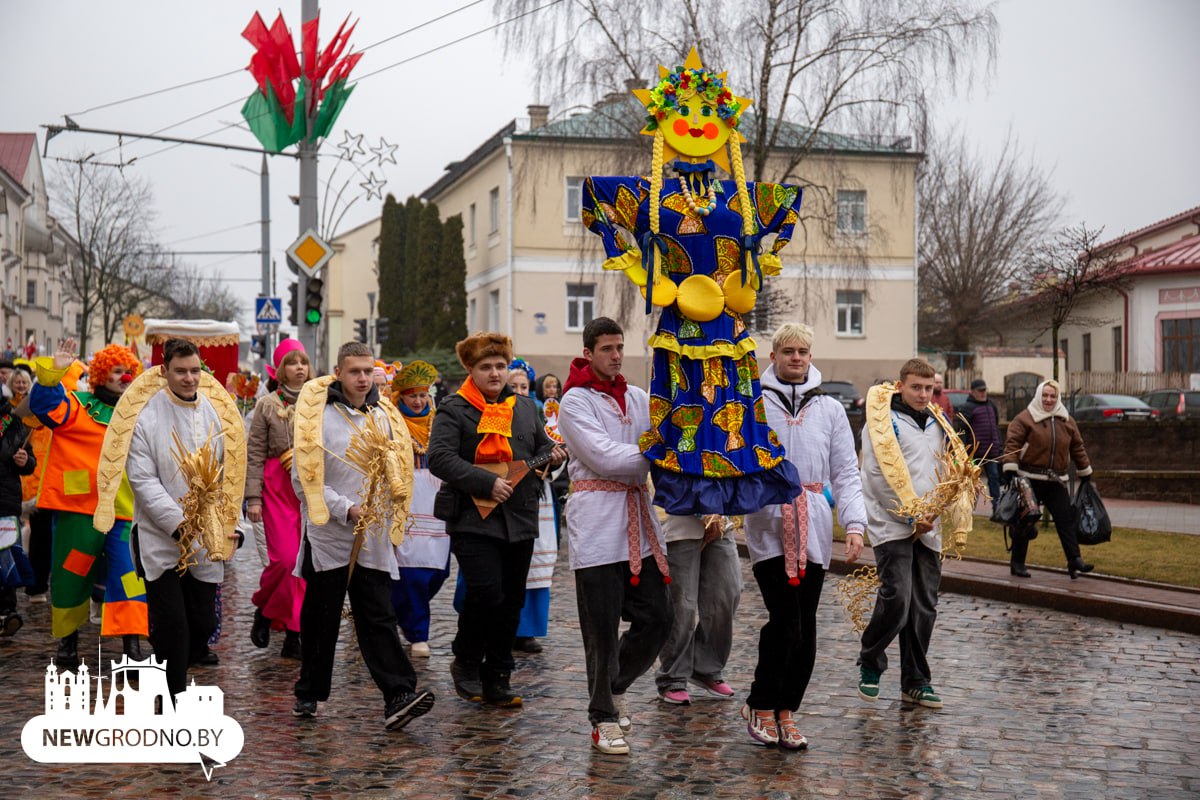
(310, 252)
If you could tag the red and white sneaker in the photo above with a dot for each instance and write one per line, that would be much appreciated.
(718, 688)
(678, 697)
(608, 738)
(761, 725)
(790, 737)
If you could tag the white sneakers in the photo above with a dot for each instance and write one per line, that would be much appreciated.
(623, 718)
(608, 738)
(420, 649)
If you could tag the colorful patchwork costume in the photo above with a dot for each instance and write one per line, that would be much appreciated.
(697, 257)
(82, 556)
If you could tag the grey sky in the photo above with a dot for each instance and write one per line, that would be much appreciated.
(1098, 92)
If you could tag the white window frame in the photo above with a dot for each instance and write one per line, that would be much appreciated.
(494, 310)
(494, 210)
(581, 299)
(844, 314)
(851, 200)
(572, 197)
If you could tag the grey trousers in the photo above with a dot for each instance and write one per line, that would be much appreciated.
(614, 662)
(706, 587)
(906, 607)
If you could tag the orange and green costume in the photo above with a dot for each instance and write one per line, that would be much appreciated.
(83, 556)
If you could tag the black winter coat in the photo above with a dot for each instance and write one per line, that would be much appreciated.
(451, 456)
(16, 435)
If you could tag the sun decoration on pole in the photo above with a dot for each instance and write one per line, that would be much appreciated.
(293, 101)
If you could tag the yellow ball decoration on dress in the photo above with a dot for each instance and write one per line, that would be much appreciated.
(665, 292)
(700, 298)
(739, 297)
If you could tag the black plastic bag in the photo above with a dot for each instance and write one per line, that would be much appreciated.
(1092, 525)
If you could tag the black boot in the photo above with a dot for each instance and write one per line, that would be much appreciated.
(67, 656)
(260, 631)
(291, 645)
(498, 692)
(1018, 570)
(527, 644)
(1077, 564)
(131, 646)
(466, 682)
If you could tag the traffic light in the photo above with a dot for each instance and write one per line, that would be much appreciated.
(294, 303)
(360, 330)
(313, 301)
(381, 330)
(258, 344)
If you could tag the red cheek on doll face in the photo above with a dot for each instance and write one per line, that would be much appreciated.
(711, 131)
(681, 127)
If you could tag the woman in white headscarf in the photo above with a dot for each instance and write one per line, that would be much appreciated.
(1042, 442)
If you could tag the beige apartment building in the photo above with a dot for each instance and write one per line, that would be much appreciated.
(534, 271)
(35, 254)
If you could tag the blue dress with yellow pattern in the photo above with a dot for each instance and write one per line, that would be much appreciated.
(709, 445)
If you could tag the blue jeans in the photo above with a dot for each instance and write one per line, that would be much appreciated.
(906, 607)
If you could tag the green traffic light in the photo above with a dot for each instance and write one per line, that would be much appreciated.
(313, 316)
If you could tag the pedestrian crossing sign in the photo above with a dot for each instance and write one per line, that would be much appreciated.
(268, 310)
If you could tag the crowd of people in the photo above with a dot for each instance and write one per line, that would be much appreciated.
(358, 484)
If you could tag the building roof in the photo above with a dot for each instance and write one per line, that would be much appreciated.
(1155, 227)
(14, 154)
(618, 118)
(457, 169)
(1182, 256)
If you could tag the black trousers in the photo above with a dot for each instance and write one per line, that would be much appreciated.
(614, 662)
(182, 611)
(787, 644)
(370, 593)
(906, 607)
(494, 572)
(1055, 498)
(40, 536)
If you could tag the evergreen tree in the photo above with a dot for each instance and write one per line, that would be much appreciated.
(426, 295)
(410, 304)
(452, 285)
(392, 234)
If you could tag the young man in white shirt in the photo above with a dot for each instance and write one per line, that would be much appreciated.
(617, 549)
(791, 546)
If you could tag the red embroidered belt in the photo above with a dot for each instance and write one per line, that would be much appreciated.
(795, 533)
(637, 507)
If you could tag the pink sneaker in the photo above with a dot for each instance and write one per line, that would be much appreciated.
(718, 688)
(678, 697)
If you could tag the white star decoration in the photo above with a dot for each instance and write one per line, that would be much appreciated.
(373, 186)
(385, 152)
(352, 145)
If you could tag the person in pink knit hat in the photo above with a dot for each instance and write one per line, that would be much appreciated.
(271, 500)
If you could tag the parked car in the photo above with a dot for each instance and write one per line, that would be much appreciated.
(1110, 408)
(1174, 403)
(846, 394)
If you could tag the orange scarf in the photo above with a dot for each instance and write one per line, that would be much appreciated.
(495, 424)
(418, 427)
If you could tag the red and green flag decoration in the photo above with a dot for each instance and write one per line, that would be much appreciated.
(289, 95)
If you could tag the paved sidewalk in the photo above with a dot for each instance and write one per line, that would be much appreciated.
(1145, 514)
(1039, 704)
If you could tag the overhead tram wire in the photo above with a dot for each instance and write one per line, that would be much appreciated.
(214, 233)
(361, 78)
(144, 95)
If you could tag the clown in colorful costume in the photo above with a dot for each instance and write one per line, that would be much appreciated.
(82, 554)
(697, 257)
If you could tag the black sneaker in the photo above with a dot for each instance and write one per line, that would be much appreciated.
(305, 709)
(206, 659)
(466, 682)
(406, 707)
(498, 692)
(67, 656)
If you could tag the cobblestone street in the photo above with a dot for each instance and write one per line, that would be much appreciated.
(1038, 704)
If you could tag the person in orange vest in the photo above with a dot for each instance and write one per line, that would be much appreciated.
(82, 555)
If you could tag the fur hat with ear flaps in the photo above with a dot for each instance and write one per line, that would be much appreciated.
(484, 344)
